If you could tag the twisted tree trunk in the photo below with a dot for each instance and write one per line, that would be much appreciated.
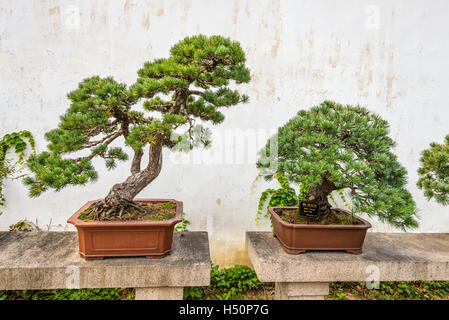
(319, 194)
(121, 195)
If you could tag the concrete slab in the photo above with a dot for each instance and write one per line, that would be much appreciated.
(393, 256)
(50, 260)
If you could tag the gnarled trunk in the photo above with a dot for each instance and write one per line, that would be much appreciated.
(121, 195)
(319, 194)
(127, 190)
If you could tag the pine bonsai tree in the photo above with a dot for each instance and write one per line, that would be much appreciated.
(333, 147)
(190, 85)
(434, 172)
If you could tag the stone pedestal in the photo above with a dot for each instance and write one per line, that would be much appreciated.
(301, 290)
(160, 293)
(385, 257)
(50, 260)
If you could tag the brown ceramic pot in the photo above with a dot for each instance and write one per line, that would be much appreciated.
(99, 239)
(298, 238)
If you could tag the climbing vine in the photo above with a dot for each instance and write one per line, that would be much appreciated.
(17, 141)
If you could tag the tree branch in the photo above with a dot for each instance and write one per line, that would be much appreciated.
(196, 92)
(155, 160)
(106, 142)
(95, 143)
(135, 165)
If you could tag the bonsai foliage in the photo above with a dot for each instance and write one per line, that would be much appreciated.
(335, 147)
(191, 85)
(19, 142)
(434, 172)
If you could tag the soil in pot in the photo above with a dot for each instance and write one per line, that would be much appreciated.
(335, 217)
(145, 211)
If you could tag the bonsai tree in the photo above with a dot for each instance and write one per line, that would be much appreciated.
(434, 172)
(190, 85)
(8, 167)
(335, 147)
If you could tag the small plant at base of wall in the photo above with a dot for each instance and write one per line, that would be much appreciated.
(238, 282)
(398, 290)
(70, 294)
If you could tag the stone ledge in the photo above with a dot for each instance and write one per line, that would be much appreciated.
(47, 260)
(398, 257)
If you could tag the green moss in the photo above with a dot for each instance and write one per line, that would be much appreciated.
(336, 217)
(164, 217)
(151, 211)
(167, 205)
(86, 215)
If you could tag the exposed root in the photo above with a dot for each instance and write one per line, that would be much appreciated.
(101, 211)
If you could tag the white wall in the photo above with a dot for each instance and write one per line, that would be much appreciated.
(390, 56)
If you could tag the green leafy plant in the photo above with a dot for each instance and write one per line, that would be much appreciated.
(284, 196)
(434, 172)
(335, 147)
(191, 85)
(167, 205)
(226, 284)
(241, 282)
(398, 290)
(24, 226)
(183, 226)
(70, 294)
(19, 142)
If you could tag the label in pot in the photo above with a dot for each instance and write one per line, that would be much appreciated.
(308, 209)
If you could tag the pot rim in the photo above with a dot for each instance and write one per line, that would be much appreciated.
(365, 225)
(166, 223)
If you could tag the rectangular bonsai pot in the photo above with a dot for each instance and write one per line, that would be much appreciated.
(298, 238)
(99, 239)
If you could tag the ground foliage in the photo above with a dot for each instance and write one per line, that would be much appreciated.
(241, 283)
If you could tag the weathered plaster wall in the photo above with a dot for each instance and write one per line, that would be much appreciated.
(390, 56)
